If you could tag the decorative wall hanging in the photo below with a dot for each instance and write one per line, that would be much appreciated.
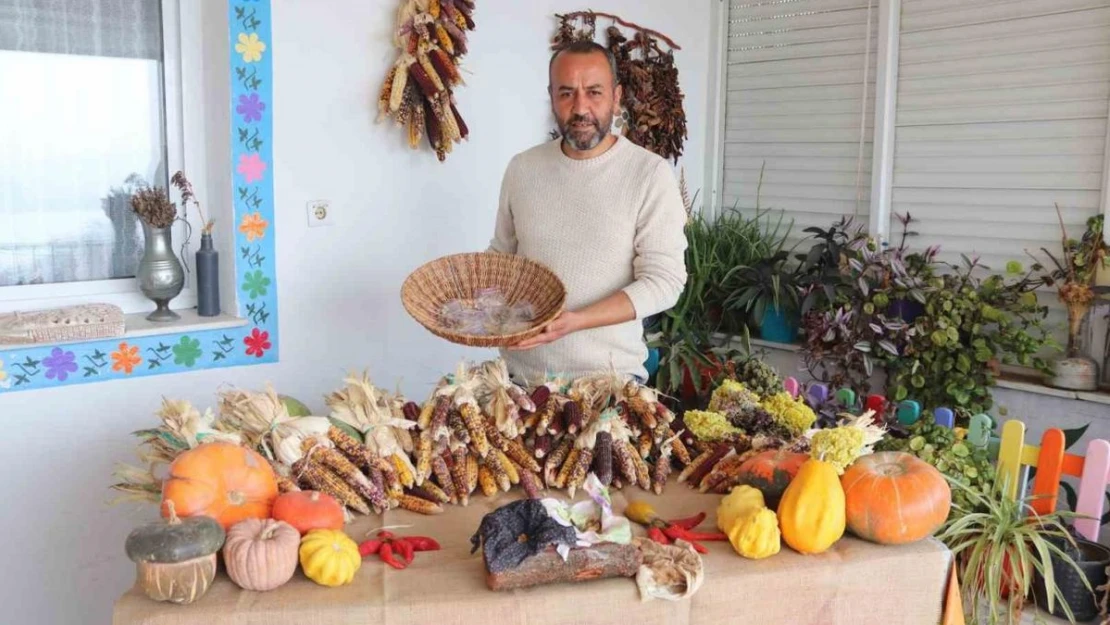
(255, 341)
(417, 91)
(653, 117)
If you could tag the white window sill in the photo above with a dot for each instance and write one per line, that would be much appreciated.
(136, 325)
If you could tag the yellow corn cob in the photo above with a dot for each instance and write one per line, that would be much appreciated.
(393, 487)
(644, 411)
(433, 492)
(661, 471)
(416, 127)
(444, 39)
(471, 473)
(433, 9)
(494, 436)
(643, 473)
(622, 453)
(500, 473)
(458, 474)
(318, 477)
(426, 411)
(487, 481)
(579, 470)
(286, 485)
(645, 444)
(429, 69)
(510, 467)
(404, 475)
(386, 91)
(350, 474)
(475, 426)
(423, 457)
(555, 461)
(460, 21)
(520, 455)
(399, 80)
(568, 466)
(546, 414)
(681, 451)
(443, 476)
(421, 506)
(355, 451)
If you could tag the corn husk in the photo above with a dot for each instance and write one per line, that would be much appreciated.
(377, 415)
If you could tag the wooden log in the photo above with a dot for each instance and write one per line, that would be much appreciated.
(582, 564)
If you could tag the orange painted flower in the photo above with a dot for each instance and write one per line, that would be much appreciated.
(253, 225)
(126, 358)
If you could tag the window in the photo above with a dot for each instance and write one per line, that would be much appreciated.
(92, 103)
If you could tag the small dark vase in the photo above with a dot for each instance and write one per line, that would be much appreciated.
(208, 278)
(1092, 558)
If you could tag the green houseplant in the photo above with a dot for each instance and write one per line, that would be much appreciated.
(768, 294)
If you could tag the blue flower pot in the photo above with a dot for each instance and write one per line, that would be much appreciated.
(778, 326)
(907, 310)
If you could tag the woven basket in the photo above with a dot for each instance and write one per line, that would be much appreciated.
(461, 276)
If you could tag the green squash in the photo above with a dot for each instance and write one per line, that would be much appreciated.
(176, 558)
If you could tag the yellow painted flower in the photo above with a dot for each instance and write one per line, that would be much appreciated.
(4, 381)
(253, 226)
(250, 47)
(126, 358)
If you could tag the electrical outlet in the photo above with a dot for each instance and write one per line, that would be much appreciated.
(320, 214)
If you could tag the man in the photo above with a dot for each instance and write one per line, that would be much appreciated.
(601, 212)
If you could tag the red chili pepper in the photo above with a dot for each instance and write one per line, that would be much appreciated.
(691, 522)
(385, 534)
(369, 547)
(676, 533)
(658, 536)
(423, 543)
(386, 554)
(704, 535)
(404, 548)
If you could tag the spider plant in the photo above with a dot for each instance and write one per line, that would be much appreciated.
(999, 545)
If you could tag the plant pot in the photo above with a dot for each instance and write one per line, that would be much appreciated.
(1077, 373)
(906, 309)
(706, 373)
(1092, 559)
(778, 326)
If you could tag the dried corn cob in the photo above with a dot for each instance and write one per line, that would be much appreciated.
(404, 475)
(353, 450)
(318, 477)
(542, 445)
(476, 426)
(375, 472)
(460, 20)
(459, 475)
(471, 473)
(510, 467)
(438, 425)
(623, 453)
(556, 459)
(579, 470)
(458, 37)
(433, 9)
(663, 413)
(646, 442)
(545, 414)
(681, 452)
(443, 66)
(603, 458)
(518, 454)
(449, 11)
(419, 505)
(539, 396)
(500, 473)
(457, 427)
(698, 472)
(520, 398)
(398, 81)
(487, 481)
(531, 484)
(431, 492)
(424, 421)
(661, 471)
(721, 472)
(644, 411)
(393, 487)
(285, 484)
(568, 466)
(423, 455)
(430, 70)
(617, 482)
(384, 96)
(443, 476)
(643, 472)
(574, 416)
(558, 423)
(422, 80)
(451, 131)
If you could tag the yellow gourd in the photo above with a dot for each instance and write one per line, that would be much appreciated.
(329, 557)
(740, 501)
(756, 534)
(812, 510)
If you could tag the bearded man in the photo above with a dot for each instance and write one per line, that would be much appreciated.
(601, 212)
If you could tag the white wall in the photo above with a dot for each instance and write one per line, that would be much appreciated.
(338, 287)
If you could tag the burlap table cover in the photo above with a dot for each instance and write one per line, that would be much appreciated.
(855, 583)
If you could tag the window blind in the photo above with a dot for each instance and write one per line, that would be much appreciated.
(1002, 113)
(800, 98)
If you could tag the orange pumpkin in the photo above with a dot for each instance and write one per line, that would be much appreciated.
(225, 481)
(771, 472)
(893, 498)
(309, 510)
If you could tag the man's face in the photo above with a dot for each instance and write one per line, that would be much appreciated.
(583, 98)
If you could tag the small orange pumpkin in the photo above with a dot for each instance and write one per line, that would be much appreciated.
(308, 510)
(222, 480)
(893, 498)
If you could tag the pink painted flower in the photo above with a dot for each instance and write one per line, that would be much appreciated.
(251, 166)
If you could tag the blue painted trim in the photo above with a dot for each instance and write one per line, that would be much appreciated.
(251, 142)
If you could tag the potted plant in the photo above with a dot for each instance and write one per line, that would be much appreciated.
(1000, 545)
(1076, 586)
(1074, 277)
(768, 292)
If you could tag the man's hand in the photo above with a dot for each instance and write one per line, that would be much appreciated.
(563, 325)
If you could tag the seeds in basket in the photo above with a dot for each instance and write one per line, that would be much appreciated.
(487, 314)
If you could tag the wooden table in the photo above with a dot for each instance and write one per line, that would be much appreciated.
(855, 583)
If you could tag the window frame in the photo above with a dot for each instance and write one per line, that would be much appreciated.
(247, 331)
(181, 66)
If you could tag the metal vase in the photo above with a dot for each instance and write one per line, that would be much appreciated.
(161, 276)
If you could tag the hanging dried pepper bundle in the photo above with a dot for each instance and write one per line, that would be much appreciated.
(430, 38)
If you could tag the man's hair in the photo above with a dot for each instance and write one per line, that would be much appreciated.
(585, 46)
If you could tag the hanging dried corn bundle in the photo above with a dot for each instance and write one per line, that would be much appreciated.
(418, 91)
(652, 98)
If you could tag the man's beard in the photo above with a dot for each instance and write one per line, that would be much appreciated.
(580, 138)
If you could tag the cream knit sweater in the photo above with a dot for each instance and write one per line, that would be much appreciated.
(612, 222)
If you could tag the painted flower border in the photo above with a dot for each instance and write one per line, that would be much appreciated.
(251, 141)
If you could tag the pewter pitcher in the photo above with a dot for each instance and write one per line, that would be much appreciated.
(161, 276)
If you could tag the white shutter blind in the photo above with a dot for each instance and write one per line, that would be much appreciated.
(799, 107)
(1002, 113)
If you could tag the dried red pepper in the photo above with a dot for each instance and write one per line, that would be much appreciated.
(396, 551)
(386, 554)
(369, 547)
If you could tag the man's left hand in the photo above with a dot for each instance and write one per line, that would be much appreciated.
(563, 325)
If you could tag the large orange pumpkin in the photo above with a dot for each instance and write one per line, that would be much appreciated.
(309, 510)
(771, 472)
(225, 481)
(893, 498)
